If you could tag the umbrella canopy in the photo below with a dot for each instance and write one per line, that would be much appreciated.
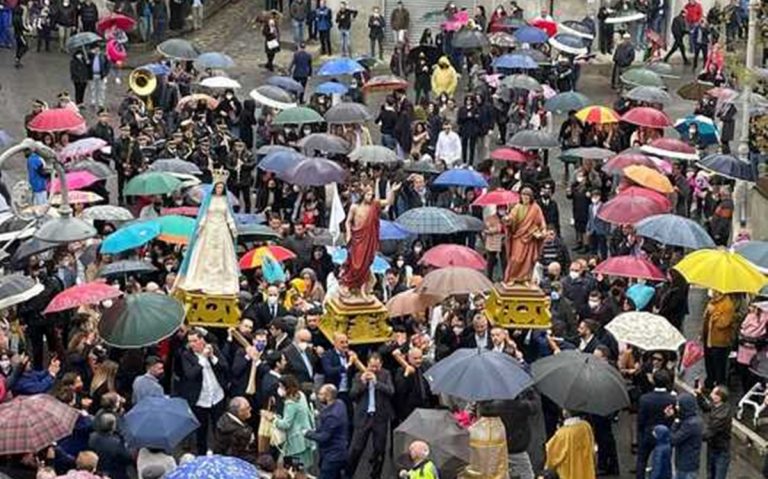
(175, 165)
(129, 237)
(380, 264)
(141, 319)
(82, 40)
(475, 374)
(568, 43)
(158, 422)
(633, 205)
(324, 142)
(588, 152)
(30, 423)
(94, 167)
(430, 220)
(756, 252)
(674, 230)
(470, 39)
(577, 28)
(214, 61)
(115, 20)
(648, 94)
(649, 332)
(81, 295)
(56, 120)
(220, 82)
(630, 267)
(444, 255)
(515, 61)
(255, 257)
(157, 69)
(314, 172)
(194, 99)
(664, 69)
(389, 230)
(409, 303)
(181, 210)
(348, 113)
(625, 16)
(646, 116)
(461, 177)
(521, 82)
(706, 129)
(174, 229)
(214, 467)
(76, 198)
(267, 149)
(622, 160)
(286, 83)
(76, 180)
(31, 246)
(509, 154)
(649, 178)
(126, 267)
(374, 155)
(721, 270)
(81, 148)
(598, 115)
(694, 91)
(642, 77)
(299, 115)
(256, 233)
(340, 66)
(581, 382)
(531, 35)
(152, 183)
(385, 83)
(281, 161)
(196, 194)
(454, 280)
(448, 442)
(497, 198)
(16, 289)
(425, 167)
(567, 101)
(178, 49)
(533, 140)
(670, 148)
(331, 88)
(273, 97)
(728, 166)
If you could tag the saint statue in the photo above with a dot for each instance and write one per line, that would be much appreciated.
(210, 264)
(525, 236)
(362, 235)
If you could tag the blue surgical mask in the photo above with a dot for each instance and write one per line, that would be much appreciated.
(554, 295)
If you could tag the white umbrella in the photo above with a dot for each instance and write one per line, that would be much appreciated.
(649, 332)
(107, 213)
(628, 16)
(260, 95)
(220, 82)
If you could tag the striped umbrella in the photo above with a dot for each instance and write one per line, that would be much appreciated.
(431, 220)
(255, 257)
(598, 115)
(31, 423)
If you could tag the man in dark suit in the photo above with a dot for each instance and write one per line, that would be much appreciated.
(302, 362)
(270, 381)
(651, 413)
(301, 67)
(202, 382)
(587, 330)
(338, 367)
(264, 313)
(479, 335)
(411, 387)
(371, 392)
(332, 433)
(392, 285)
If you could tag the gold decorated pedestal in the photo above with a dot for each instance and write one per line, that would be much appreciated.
(518, 306)
(363, 321)
(218, 311)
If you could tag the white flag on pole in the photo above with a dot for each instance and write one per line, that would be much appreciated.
(338, 215)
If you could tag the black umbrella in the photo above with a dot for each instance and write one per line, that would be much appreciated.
(472, 223)
(533, 140)
(254, 232)
(581, 382)
(325, 142)
(448, 442)
(126, 267)
(728, 166)
(470, 39)
(589, 153)
(648, 94)
(17, 288)
(179, 49)
(323, 237)
(575, 27)
(422, 166)
(31, 247)
(348, 112)
(431, 53)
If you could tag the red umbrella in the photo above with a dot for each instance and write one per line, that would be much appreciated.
(80, 295)
(623, 160)
(497, 198)
(76, 180)
(56, 119)
(633, 205)
(549, 26)
(445, 255)
(30, 423)
(630, 267)
(671, 148)
(253, 258)
(646, 116)
(385, 83)
(115, 20)
(181, 211)
(506, 153)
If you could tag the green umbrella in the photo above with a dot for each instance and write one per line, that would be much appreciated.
(256, 233)
(298, 116)
(642, 77)
(152, 183)
(139, 320)
(175, 229)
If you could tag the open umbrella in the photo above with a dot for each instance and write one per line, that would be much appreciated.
(649, 178)
(431, 54)
(348, 112)
(567, 101)
(721, 270)
(81, 295)
(385, 83)
(509, 154)
(76, 180)
(157, 69)
(17, 288)
(648, 94)
(630, 267)
(151, 183)
(129, 237)
(280, 161)
(410, 303)
(141, 319)
(82, 147)
(374, 155)
(577, 28)
(331, 88)
(531, 35)
(633, 205)
(267, 149)
(31, 423)
(454, 280)
(178, 49)
(502, 39)
(158, 422)
(340, 66)
(642, 77)
(470, 39)
(756, 252)
(194, 99)
(649, 332)
(314, 172)
(424, 167)
(515, 61)
(475, 374)
(581, 382)
(728, 166)
(461, 177)
(174, 229)
(286, 83)
(389, 230)
(670, 148)
(533, 140)
(568, 43)
(588, 153)
(181, 211)
(646, 116)
(221, 83)
(96, 168)
(674, 230)
(76, 198)
(255, 257)
(196, 194)
(56, 120)
(694, 91)
(256, 233)
(663, 69)
(625, 16)
(497, 198)
(299, 115)
(126, 267)
(29, 247)
(598, 115)
(82, 40)
(214, 61)
(115, 20)
(324, 142)
(444, 255)
(706, 129)
(430, 220)
(273, 97)
(214, 467)
(175, 165)
(521, 82)
(448, 442)
(617, 164)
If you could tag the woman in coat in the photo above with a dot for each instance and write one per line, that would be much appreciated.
(271, 42)
(470, 129)
(297, 417)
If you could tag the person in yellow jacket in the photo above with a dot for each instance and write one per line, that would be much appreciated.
(571, 451)
(718, 329)
(444, 78)
(423, 468)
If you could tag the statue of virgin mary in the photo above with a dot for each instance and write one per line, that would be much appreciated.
(210, 264)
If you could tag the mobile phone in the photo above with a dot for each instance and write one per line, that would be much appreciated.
(696, 383)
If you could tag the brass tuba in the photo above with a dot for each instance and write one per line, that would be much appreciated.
(143, 83)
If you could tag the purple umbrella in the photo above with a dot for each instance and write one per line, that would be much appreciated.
(314, 172)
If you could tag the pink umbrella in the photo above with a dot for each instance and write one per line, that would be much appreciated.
(663, 165)
(630, 267)
(83, 147)
(76, 180)
(459, 20)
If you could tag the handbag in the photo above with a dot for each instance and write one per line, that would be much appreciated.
(693, 353)
(273, 45)
(264, 433)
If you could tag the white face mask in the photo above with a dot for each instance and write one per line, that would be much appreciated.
(5, 365)
(281, 392)
(272, 300)
(574, 274)
(594, 303)
(303, 345)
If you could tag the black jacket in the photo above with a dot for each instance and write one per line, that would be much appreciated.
(650, 413)
(296, 365)
(261, 314)
(89, 14)
(624, 54)
(384, 390)
(717, 424)
(344, 19)
(191, 381)
(411, 392)
(79, 69)
(114, 457)
(514, 414)
(679, 29)
(234, 438)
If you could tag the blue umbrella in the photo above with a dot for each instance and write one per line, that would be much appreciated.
(340, 66)
(286, 83)
(479, 375)
(380, 264)
(389, 230)
(532, 35)
(159, 422)
(130, 237)
(280, 161)
(674, 230)
(708, 133)
(728, 166)
(567, 101)
(461, 177)
(214, 467)
(515, 61)
(756, 252)
(244, 219)
(331, 88)
(214, 60)
(158, 69)
(641, 295)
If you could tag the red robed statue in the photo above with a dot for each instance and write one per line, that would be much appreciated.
(525, 237)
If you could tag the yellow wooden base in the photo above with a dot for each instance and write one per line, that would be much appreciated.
(518, 306)
(208, 310)
(362, 323)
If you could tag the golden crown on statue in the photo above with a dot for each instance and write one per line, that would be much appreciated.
(220, 175)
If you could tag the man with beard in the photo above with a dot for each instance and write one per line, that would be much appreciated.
(148, 384)
(331, 433)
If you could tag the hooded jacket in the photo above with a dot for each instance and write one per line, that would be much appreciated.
(444, 78)
(687, 434)
(661, 457)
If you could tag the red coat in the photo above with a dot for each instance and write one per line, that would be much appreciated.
(693, 12)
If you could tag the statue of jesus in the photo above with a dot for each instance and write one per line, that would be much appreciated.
(362, 233)
(525, 236)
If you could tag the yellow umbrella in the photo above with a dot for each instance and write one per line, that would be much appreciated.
(648, 177)
(721, 270)
(598, 115)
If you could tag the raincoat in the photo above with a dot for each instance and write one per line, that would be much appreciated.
(444, 78)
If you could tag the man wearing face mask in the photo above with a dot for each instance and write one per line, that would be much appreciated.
(302, 361)
(576, 287)
(550, 209)
(152, 210)
(263, 313)
(597, 228)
